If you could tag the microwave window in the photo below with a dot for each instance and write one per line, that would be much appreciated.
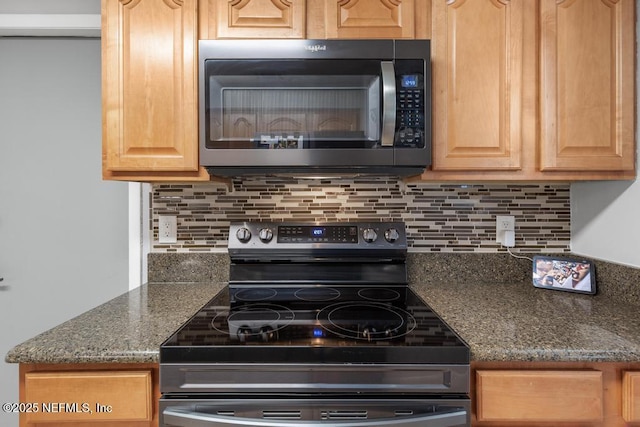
(293, 111)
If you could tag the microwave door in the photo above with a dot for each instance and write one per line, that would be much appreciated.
(388, 103)
(299, 105)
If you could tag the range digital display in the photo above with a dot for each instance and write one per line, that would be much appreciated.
(318, 234)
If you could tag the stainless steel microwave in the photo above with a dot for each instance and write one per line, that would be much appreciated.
(315, 107)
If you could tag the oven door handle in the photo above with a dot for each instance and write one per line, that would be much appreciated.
(388, 103)
(176, 417)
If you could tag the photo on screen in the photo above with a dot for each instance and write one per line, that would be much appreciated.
(564, 274)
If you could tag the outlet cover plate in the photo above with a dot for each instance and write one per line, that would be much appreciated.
(167, 229)
(504, 224)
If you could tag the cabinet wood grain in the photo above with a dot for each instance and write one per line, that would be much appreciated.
(90, 396)
(127, 394)
(149, 88)
(587, 85)
(561, 105)
(478, 85)
(631, 396)
(539, 395)
(274, 19)
(392, 19)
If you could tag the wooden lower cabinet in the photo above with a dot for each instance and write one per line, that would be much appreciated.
(631, 396)
(520, 395)
(79, 395)
(555, 394)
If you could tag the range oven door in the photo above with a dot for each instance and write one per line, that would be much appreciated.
(321, 412)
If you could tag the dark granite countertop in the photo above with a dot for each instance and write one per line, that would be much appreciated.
(500, 322)
(126, 329)
(517, 322)
(508, 320)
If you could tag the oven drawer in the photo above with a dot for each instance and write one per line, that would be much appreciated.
(329, 412)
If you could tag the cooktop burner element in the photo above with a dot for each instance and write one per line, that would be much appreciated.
(255, 294)
(257, 320)
(377, 294)
(367, 321)
(317, 294)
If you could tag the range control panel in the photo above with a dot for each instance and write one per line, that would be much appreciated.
(318, 234)
(268, 238)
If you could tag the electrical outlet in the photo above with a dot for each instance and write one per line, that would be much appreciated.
(167, 229)
(506, 230)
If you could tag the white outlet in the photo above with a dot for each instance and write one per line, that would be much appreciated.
(506, 230)
(167, 229)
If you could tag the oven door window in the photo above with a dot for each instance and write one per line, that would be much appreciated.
(284, 104)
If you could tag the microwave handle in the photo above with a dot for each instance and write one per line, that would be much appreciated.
(388, 103)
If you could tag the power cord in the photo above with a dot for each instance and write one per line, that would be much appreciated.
(517, 256)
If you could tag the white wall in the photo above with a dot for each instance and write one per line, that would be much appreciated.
(63, 231)
(50, 6)
(605, 216)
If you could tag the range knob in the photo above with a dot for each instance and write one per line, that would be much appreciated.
(243, 234)
(265, 235)
(267, 333)
(389, 331)
(369, 235)
(369, 332)
(391, 235)
(243, 332)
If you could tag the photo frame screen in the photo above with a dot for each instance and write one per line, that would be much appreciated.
(564, 274)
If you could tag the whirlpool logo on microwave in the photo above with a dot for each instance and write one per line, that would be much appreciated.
(316, 47)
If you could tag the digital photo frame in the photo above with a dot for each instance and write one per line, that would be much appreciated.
(564, 274)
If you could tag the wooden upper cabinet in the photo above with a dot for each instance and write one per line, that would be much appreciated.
(149, 89)
(349, 19)
(276, 19)
(314, 19)
(587, 85)
(477, 64)
(533, 90)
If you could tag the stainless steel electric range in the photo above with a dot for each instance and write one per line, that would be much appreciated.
(317, 327)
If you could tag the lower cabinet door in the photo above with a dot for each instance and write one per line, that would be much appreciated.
(539, 395)
(88, 396)
(631, 396)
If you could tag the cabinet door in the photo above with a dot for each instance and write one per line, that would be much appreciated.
(89, 396)
(539, 396)
(477, 78)
(348, 19)
(587, 85)
(631, 396)
(149, 87)
(254, 19)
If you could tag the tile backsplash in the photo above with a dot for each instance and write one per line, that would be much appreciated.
(438, 217)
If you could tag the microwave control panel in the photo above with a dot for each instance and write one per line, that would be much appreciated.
(410, 95)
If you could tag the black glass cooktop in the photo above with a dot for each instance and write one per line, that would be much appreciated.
(315, 324)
